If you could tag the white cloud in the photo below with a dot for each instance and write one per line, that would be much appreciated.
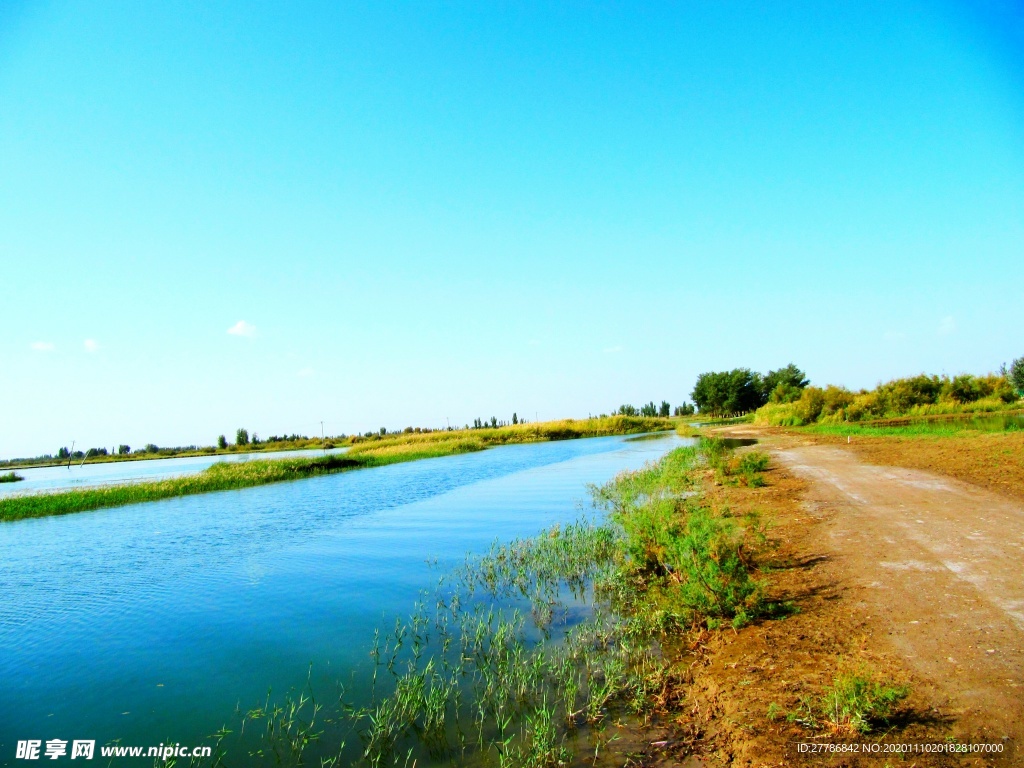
(242, 328)
(305, 372)
(613, 350)
(42, 346)
(947, 326)
(91, 345)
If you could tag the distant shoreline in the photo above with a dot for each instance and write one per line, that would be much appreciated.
(402, 447)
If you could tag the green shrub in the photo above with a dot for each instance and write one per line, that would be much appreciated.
(778, 415)
(698, 556)
(904, 394)
(705, 559)
(856, 702)
(810, 404)
(915, 396)
(964, 389)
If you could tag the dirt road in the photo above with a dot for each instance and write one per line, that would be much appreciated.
(939, 565)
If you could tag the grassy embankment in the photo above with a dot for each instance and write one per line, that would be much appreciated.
(490, 672)
(398, 448)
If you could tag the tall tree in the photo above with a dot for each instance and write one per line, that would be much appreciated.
(726, 392)
(784, 385)
(1016, 375)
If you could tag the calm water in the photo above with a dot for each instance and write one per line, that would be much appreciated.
(151, 623)
(79, 475)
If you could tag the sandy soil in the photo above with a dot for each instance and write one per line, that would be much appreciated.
(938, 564)
(919, 571)
(991, 460)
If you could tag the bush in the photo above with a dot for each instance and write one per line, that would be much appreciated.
(964, 389)
(697, 554)
(778, 415)
(856, 702)
(706, 559)
(837, 400)
(915, 396)
(809, 406)
(904, 394)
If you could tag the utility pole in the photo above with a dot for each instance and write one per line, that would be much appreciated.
(323, 440)
(69, 454)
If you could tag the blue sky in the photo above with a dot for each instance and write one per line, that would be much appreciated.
(408, 212)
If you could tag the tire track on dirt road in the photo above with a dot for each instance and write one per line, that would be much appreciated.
(939, 564)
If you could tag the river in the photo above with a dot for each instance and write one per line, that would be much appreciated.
(152, 623)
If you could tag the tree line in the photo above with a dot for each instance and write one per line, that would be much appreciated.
(651, 410)
(741, 390)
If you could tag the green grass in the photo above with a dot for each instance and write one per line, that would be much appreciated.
(923, 428)
(697, 557)
(856, 702)
(900, 430)
(10, 477)
(225, 476)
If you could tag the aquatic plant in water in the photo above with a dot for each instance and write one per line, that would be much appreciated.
(519, 657)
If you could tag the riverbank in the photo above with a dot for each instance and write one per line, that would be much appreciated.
(720, 629)
(538, 652)
(176, 453)
(364, 454)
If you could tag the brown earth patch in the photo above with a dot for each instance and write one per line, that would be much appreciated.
(735, 678)
(993, 460)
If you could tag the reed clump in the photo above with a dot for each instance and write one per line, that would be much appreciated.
(10, 477)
